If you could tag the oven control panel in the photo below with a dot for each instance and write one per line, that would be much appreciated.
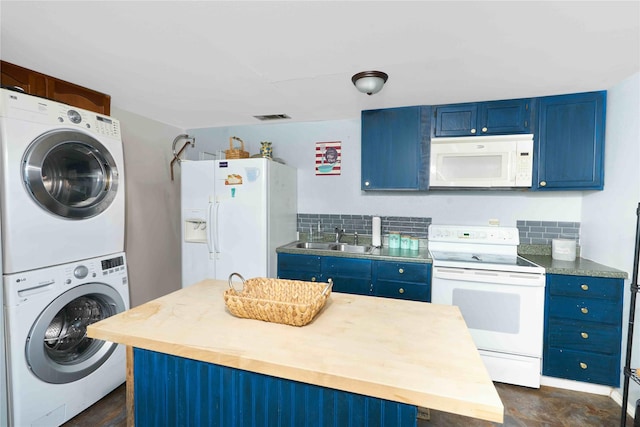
(474, 234)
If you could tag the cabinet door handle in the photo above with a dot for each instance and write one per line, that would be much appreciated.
(313, 279)
(584, 287)
(583, 365)
(584, 310)
(484, 129)
(473, 131)
(366, 183)
(584, 335)
(543, 183)
(401, 270)
(401, 290)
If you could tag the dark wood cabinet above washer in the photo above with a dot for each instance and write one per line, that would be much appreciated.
(38, 84)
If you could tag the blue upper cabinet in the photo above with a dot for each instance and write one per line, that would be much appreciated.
(570, 142)
(484, 118)
(395, 148)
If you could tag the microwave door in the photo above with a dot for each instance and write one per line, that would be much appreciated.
(472, 170)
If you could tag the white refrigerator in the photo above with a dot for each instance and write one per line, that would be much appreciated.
(235, 213)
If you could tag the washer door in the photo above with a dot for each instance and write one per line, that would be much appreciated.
(58, 350)
(70, 174)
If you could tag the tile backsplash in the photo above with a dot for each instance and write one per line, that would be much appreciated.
(531, 232)
(415, 226)
(542, 232)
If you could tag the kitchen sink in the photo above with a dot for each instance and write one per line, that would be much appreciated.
(337, 247)
(357, 249)
(314, 245)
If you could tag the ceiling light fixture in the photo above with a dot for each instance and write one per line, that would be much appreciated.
(369, 82)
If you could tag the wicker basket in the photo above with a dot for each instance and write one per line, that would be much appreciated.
(236, 153)
(292, 302)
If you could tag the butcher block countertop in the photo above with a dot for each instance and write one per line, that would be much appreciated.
(411, 352)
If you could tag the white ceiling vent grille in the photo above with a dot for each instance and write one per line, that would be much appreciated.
(272, 117)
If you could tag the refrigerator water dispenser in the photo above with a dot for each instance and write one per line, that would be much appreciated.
(195, 230)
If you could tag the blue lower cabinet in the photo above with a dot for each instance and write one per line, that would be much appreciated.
(391, 279)
(583, 366)
(403, 290)
(402, 280)
(349, 275)
(175, 391)
(299, 267)
(583, 328)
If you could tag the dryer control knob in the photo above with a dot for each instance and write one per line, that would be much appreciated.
(80, 272)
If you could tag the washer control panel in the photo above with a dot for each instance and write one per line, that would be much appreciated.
(42, 110)
(89, 120)
(95, 269)
(112, 265)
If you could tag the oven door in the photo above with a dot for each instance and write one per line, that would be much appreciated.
(504, 311)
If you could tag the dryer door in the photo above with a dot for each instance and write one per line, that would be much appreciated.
(58, 350)
(70, 174)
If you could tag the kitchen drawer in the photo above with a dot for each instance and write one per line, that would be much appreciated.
(403, 290)
(347, 267)
(583, 336)
(294, 262)
(351, 285)
(307, 276)
(585, 287)
(402, 271)
(582, 366)
(591, 310)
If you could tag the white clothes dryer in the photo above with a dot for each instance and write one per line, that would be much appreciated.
(54, 371)
(61, 183)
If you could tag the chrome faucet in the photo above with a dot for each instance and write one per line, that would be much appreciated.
(339, 233)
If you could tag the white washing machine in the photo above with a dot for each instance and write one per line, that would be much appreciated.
(54, 371)
(61, 183)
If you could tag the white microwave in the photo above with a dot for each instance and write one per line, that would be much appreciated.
(481, 161)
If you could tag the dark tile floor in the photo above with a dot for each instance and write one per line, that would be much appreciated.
(524, 407)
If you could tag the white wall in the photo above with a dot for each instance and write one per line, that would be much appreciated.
(295, 143)
(152, 240)
(609, 216)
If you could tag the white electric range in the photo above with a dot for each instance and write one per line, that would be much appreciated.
(500, 296)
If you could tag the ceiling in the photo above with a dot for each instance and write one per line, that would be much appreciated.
(210, 63)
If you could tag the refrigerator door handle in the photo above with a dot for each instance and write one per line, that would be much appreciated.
(209, 228)
(216, 227)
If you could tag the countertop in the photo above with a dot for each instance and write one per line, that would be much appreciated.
(579, 267)
(411, 352)
(537, 254)
(381, 254)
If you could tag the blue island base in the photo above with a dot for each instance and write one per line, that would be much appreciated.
(175, 391)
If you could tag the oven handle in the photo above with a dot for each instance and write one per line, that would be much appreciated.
(490, 276)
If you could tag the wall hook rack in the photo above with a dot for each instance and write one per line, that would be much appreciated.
(190, 140)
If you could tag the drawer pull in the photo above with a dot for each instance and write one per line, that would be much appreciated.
(584, 287)
(584, 310)
(313, 279)
(401, 270)
(401, 290)
(584, 335)
(583, 365)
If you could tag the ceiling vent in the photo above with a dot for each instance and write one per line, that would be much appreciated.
(272, 117)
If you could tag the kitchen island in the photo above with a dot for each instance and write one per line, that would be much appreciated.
(368, 360)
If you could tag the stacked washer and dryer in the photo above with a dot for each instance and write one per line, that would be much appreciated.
(63, 261)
